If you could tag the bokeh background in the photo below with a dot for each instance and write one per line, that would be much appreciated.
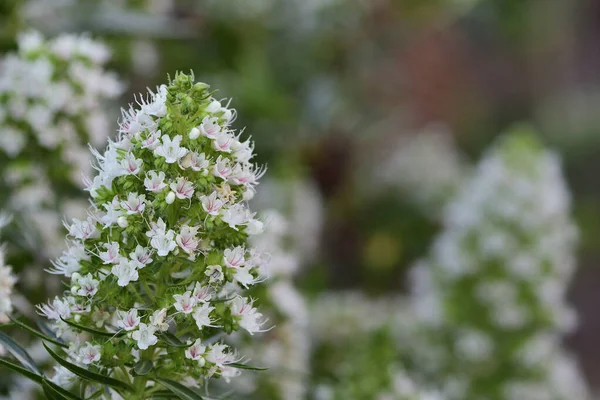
(364, 109)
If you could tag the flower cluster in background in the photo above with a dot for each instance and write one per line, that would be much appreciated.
(53, 96)
(492, 294)
(163, 258)
(7, 280)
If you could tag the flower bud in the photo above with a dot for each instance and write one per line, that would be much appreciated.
(194, 133)
(122, 222)
(170, 198)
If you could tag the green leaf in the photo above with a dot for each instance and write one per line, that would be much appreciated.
(142, 367)
(23, 371)
(89, 375)
(178, 389)
(51, 395)
(173, 340)
(244, 366)
(94, 331)
(58, 392)
(19, 353)
(38, 333)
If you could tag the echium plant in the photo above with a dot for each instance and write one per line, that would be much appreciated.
(491, 296)
(158, 270)
(52, 95)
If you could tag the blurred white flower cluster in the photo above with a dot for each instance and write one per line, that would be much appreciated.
(52, 98)
(7, 280)
(427, 167)
(492, 293)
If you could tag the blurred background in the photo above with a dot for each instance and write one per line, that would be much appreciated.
(368, 112)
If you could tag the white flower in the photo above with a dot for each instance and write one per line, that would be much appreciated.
(202, 294)
(113, 213)
(255, 227)
(182, 188)
(111, 255)
(195, 351)
(82, 229)
(142, 255)
(187, 239)
(215, 273)
(89, 354)
(152, 141)
(131, 165)
(235, 215)
(157, 319)
(154, 182)
(249, 317)
(211, 204)
(170, 149)
(128, 320)
(125, 272)
(88, 286)
(197, 162)
(222, 168)
(157, 228)
(135, 204)
(184, 303)
(60, 308)
(144, 336)
(218, 355)
(164, 243)
(210, 127)
(243, 276)
(235, 257)
(202, 315)
(223, 142)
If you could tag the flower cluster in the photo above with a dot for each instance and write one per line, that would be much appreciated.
(427, 167)
(492, 293)
(163, 259)
(286, 350)
(52, 94)
(7, 281)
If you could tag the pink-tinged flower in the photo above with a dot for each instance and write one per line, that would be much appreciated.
(187, 239)
(152, 141)
(113, 213)
(184, 303)
(195, 351)
(210, 127)
(218, 355)
(223, 142)
(202, 294)
(182, 188)
(88, 286)
(155, 182)
(128, 320)
(197, 162)
(135, 204)
(171, 149)
(82, 229)
(157, 228)
(222, 168)
(131, 165)
(235, 257)
(249, 317)
(60, 308)
(236, 215)
(211, 204)
(111, 255)
(89, 354)
(141, 255)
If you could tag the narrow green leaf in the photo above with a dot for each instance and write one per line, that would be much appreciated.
(142, 367)
(89, 375)
(38, 333)
(58, 391)
(94, 331)
(244, 366)
(178, 389)
(173, 340)
(23, 371)
(51, 395)
(19, 353)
